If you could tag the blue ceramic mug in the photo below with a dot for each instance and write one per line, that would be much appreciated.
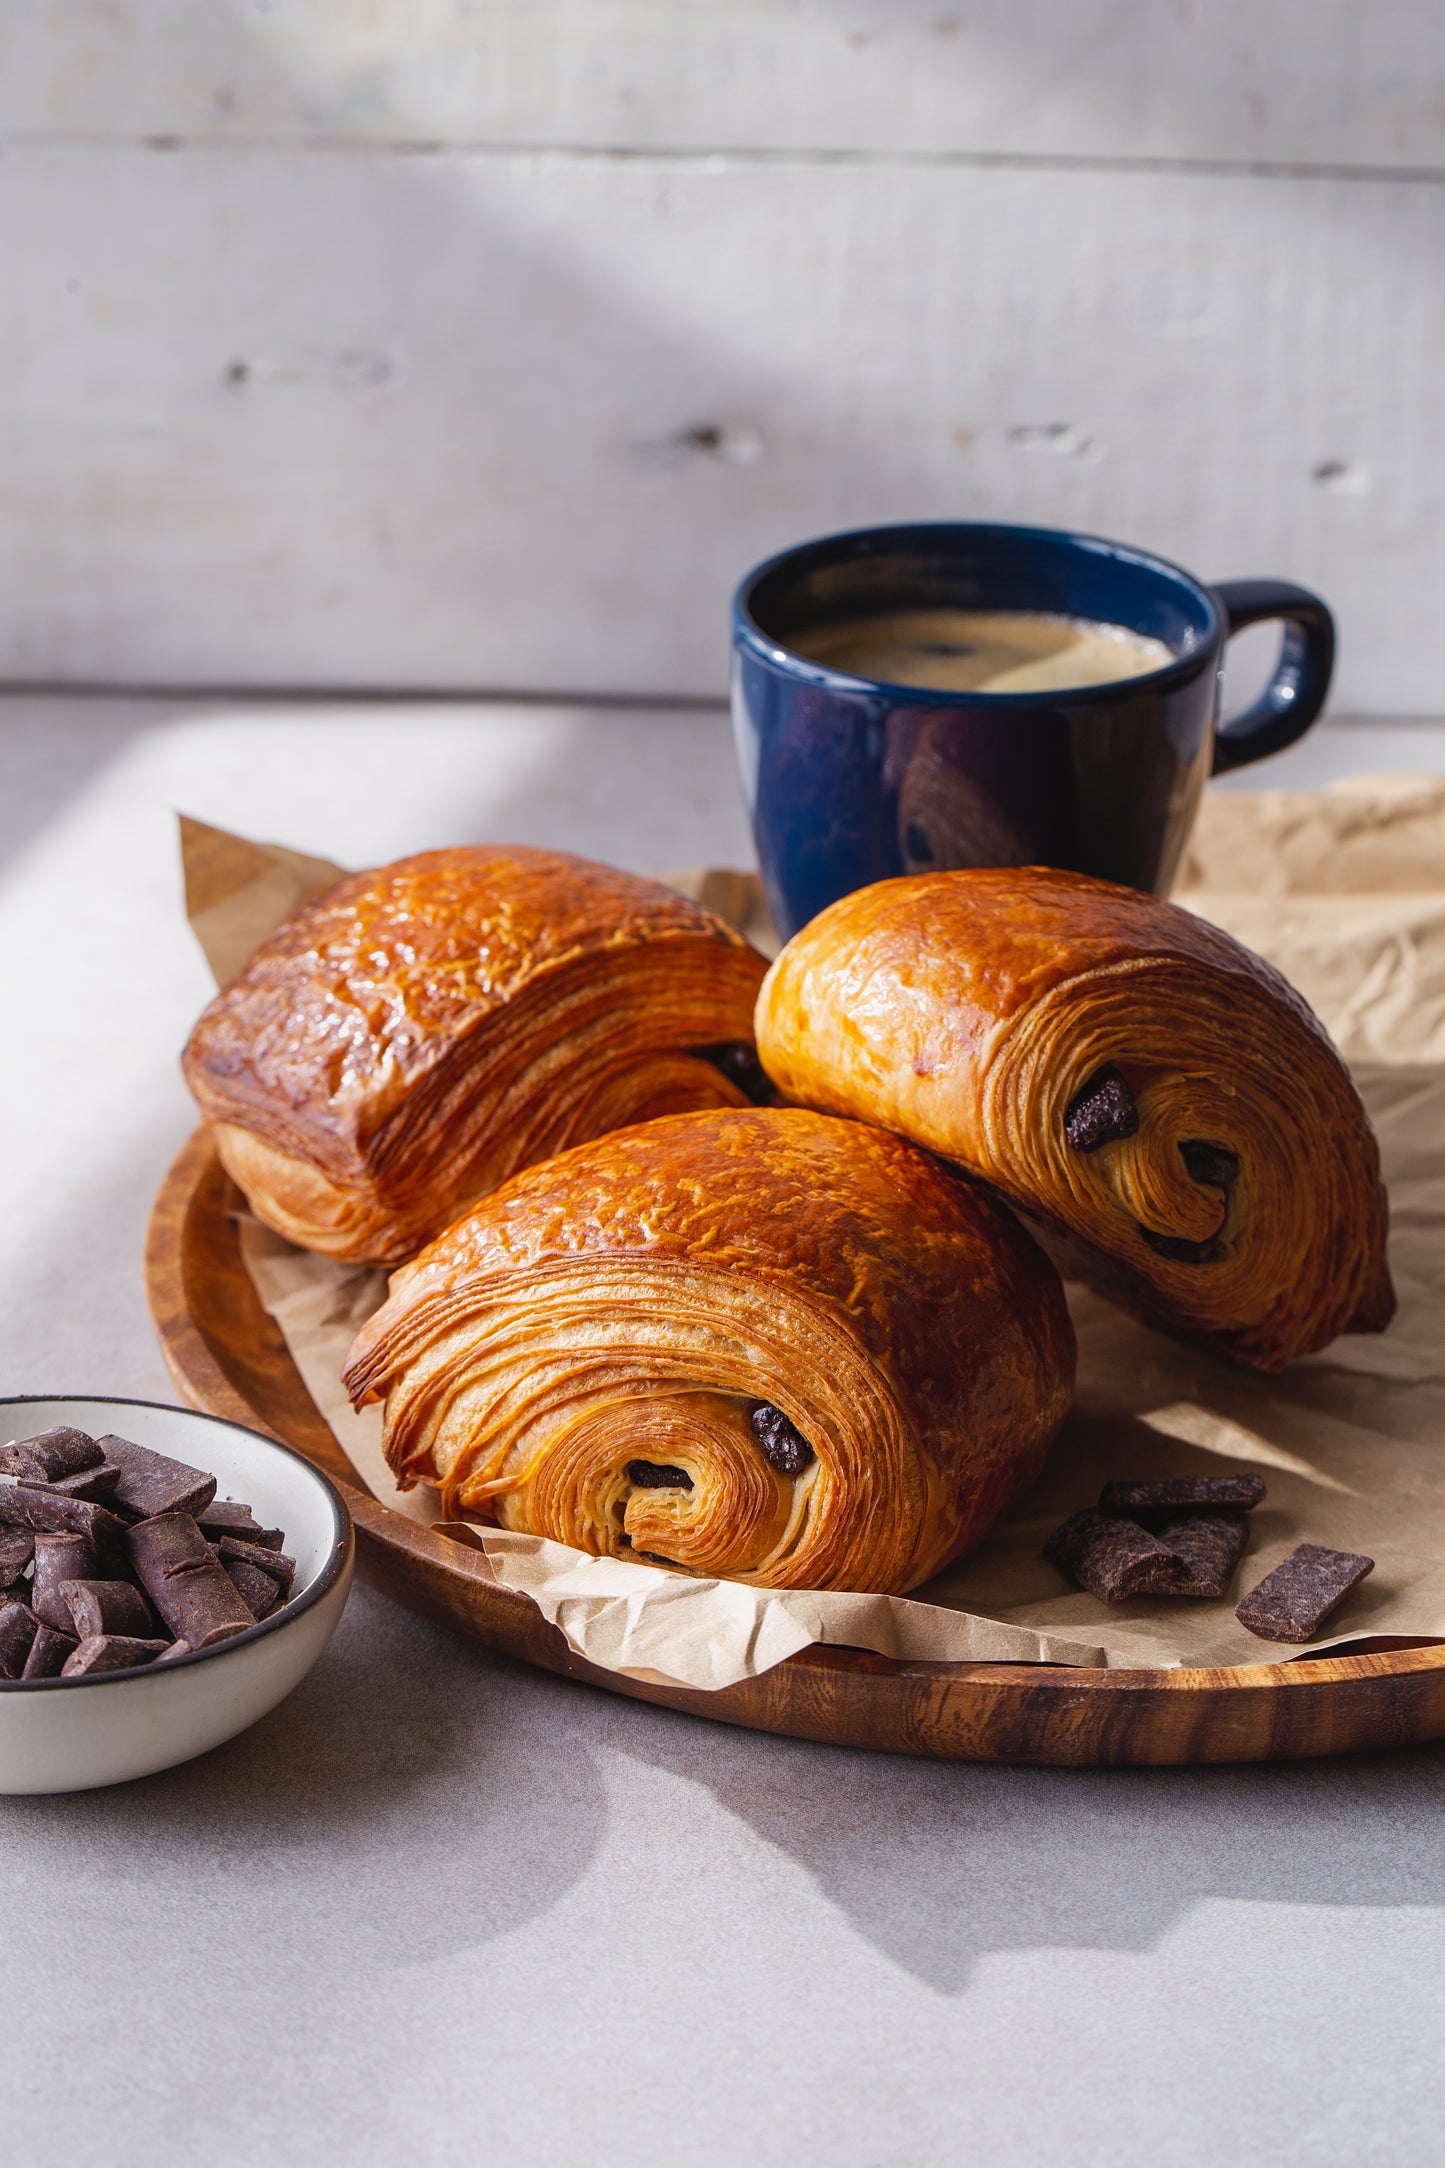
(850, 779)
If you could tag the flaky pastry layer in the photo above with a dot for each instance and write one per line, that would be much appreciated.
(624, 1311)
(419, 1033)
(1160, 1101)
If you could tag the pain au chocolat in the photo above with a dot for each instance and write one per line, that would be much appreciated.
(414, 1036)
(761, 1344)
(1158, 1100)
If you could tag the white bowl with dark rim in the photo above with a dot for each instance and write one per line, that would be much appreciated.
(69, 1735)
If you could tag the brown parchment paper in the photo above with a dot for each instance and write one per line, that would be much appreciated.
(1344, 889)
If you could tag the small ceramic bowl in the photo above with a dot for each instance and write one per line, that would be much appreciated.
(69, 1735)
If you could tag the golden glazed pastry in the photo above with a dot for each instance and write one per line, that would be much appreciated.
(1149, 1092)
(762, 1345)
(417, 1034)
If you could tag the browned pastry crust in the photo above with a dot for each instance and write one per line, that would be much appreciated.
(987, 1014)
(628, 1306)
(417, 1034)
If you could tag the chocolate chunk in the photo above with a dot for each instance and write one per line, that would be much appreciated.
(1293, 1602)
(175, 1648)
(224, 1517)
(97, 1483)
(50, 1456)
(1213, 1166)
(657, 1475)
(738, 1061)
(18, 1628)
(1183, 1493)
(1062, 1547)
(59, 1558)
(17, 1548)
(107, 1607)
(781, 1444)
(1211, 1546)
(110, 1652)
(48, 1652)
(256, 1589)
(275, 1563)
(25, 1505)
(150, 1484)
(185, 1581)
(1114, 1559)
(1102, 1113)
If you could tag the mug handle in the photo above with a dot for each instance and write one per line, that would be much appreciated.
(1296, 693)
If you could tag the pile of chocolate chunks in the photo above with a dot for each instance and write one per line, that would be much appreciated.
(113, 1557)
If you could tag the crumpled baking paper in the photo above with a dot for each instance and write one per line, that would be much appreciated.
(1344, 890)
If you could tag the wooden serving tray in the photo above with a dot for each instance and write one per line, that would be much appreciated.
(227, 1356)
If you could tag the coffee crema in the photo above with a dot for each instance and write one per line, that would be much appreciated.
(983, 651)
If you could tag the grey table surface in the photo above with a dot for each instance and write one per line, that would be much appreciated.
(440, 1907)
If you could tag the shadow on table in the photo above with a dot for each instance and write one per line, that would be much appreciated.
(940, 1864)
(371, 1809)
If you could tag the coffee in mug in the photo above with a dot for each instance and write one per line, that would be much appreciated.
(981, 651)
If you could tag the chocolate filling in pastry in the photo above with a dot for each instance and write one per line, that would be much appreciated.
(738, 1061)
(657, 1475)
(781, 1444)
(1102, 1113)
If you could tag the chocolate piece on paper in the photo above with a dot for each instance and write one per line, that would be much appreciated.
(257, 1590)
(50, 1512)
(1115, 1559)
(107, 1607)
(59, 1558)
(110, 1652)
(281, 1568)
(1062, 1548)
(18, 1629)
(151, 1484)
(1183, 1494)
(1211, 1546)
(17, 1548)
(50, 1455)
(186, 1582)
(48, 1653)
(1293, 1602)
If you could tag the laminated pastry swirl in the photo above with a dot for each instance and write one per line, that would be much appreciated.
(761, 1344)
(417, 1034)
(1160, 1101)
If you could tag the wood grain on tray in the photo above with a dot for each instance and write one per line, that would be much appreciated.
(228, 1357)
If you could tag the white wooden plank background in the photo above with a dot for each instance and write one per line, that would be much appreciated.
(310, 376)
(1278, 81)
